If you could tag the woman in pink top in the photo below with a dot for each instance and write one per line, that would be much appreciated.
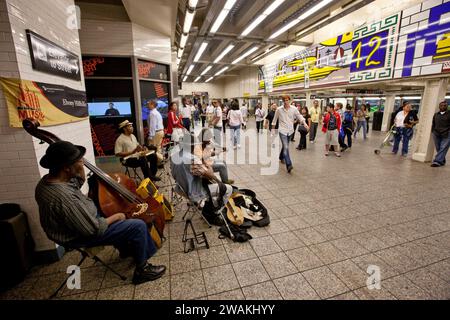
(235, 120)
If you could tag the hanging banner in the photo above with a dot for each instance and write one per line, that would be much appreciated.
(412, 43)
(50, 104)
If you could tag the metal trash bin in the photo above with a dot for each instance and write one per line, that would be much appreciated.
(16, 245)
(377, 121)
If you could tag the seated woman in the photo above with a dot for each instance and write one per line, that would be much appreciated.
(127, 145)
(71, 219)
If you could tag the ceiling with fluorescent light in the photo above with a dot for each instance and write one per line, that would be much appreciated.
(250, 31)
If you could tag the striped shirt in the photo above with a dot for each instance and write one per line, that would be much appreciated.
(66, 214)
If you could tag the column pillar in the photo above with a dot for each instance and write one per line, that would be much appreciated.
(433, 93)
(388, 109)
(308, 102)
(265, 102)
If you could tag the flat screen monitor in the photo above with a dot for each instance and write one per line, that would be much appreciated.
(110, 109)
(162, 105)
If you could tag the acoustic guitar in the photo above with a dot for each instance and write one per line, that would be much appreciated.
(234, 213)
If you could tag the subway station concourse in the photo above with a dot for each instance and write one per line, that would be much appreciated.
(224, 150)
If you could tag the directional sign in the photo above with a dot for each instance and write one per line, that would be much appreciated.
(48, 57)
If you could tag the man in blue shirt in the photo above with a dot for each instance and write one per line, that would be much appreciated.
(156, 129)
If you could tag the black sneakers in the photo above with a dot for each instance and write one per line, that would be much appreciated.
(148, 273)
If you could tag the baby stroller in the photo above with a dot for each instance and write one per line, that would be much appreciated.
(388, 139)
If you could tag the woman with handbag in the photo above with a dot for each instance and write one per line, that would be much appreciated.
(303, 130)
(331, 128)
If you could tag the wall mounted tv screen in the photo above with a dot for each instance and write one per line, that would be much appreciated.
(162, 104)
(111, 108)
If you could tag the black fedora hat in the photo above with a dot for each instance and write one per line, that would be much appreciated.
(60, 154)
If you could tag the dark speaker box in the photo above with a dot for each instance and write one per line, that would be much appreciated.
(16, 245)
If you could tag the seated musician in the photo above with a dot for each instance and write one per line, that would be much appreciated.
(198, 180)
(71, 219)
(207, 152)
(128, 146)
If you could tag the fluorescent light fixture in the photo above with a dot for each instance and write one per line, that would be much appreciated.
(249, 52)
(265, 52)
(284, 28)
(198, 78)
(209, 79)
(200, 51)
(314, 9)
(303, 16)
(224, 53)
(312, 26)
(262, 17)
(188, 19)
(193, 4)
(222, 15)
(206, 70)
(190, 69)
(180, 52)
(185, 78)
(221, 71)
(183, 40)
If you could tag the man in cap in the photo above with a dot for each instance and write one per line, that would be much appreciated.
(72, 219)
(127, 145)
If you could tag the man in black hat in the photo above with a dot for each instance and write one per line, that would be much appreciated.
(71, 219)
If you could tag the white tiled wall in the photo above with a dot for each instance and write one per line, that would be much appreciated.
(106, 37)
(20, 153)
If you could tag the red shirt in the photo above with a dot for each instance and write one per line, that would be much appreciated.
(173, 122)
(326, 120)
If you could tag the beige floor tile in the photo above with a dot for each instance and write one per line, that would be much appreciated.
(324, 282)
(295, 287)
(220, 279)
(304, 259)
(262, 291)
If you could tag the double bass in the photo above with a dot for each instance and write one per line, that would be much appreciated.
(113, 193)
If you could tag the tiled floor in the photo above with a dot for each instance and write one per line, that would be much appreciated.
(331, 219)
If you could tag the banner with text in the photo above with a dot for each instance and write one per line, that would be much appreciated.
(50, 104)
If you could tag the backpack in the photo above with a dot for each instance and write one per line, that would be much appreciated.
(240, 234)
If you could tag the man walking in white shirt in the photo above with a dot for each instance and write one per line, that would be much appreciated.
(186, 111)
(286, 116)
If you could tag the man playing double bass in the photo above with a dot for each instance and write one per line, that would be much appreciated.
(71, 219)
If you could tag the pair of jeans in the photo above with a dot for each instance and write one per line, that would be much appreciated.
(131, 234)
(259, 126)
(235, 135)
(348, 134)
(221, 168)
(302, 144)
(187, 124)
(404, 135)
(361, 124)
(313, 131)
(442, 143)
(284, 154)
(218, 136)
